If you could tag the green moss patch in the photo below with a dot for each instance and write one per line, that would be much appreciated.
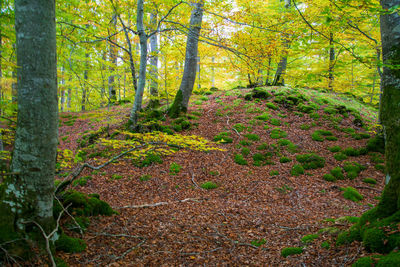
(81, 204)
(253, 137)
(223, 137)
(309, 238)
(311, 161)
(278, 133)
(321, 135)
(369, 180)
(340, 156)
(352, 194)
(70, 244)
(334, 149)
(239, 159)
(297, 170)
(209, 185)
(291, 251)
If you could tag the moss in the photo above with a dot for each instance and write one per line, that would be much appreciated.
(340, 156)
(349, 236)
(311, 161)
(223, 137)
(273, 173)
(297, 170)
(239, 127)
(278, 133)
(377, 158)
(291, 251)
(174, 168)
(353, 169)
(284, 160)
(369, 180)
(145, 177)
(334, 149)
(305, 108)
(331, 138)
(245, 143)
(70, 244)
(263, 146)
(240, 160)
(271, 106)
(376, 144)
(351, 152)
(149, 159)
(245, 151)
(314, 116)
(363, 262)
(283, 142)
(380, 167)
(209, 185)
(325, 245)
(86, 205)
(275, 122)
(252, 137)
(177, 108)
(259, 92)
(393, 259)
(309, 238)
(263, 117)
(374, 240)
(337, 172)
(321, 135)
(329, 177)
(352, 194)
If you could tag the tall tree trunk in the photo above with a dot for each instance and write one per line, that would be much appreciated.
(199, 74)
(1, 71)
(62, 93)
(112, 95)
(85, 82)
(137, 105)
(181, 100)
(279, 78)
(154, 102)
(267, 83)
(331, 75)
(28, 195)
(14, 87)
(212, 72)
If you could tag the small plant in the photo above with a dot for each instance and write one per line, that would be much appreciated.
(174, 168)
(209, 185)
(223, 137)
(145, 177)
(352, 194)
(252, 137)
(284, 160)
(309, 238)
(273, 173)
(291, 251)
(240, 160)
(369, 180)
(278, 133)
(284, 189)
(258, 242)
(297, 170)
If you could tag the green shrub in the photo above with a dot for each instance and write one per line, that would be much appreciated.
(278, 133)
(284, 160)
(340, 156)
(329, 177)
(252, 137)
(209, 185)
(337, 172)
(240, 160)
(352, 194)
(223, 137)
(311, 161)
(334, 148)
(291, 251)
(309, 238)
(369, 180)
(245, 151)
(174, 168)
(297, 170)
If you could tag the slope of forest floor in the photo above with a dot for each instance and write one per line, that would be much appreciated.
(256, 209)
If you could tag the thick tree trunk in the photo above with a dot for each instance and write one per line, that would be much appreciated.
(390, 109)
(28, 195)
(154, 102)
(182, 97)
(137, 105)
(331, 75)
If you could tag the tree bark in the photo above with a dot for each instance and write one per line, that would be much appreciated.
(154, 102)
(112, 96)
(390, 109)
(181, 100)
(331, 75)
(137, 105)
(28, 196)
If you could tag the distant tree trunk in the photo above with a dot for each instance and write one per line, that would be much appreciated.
(267, 82)
(27, 196)
(390, 109)
(62, 93)
(199, 74)
(14, 87)
(112, 95)
(137, 105)
(1, 71)
(154, 102)
(279, 78)
(212, 72)
(85, 78)
(331, 75)
(181, 100)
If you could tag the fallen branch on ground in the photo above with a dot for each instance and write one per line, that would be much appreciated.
(159, 203)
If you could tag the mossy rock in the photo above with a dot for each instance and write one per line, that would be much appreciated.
(291, 251)
(70, 244)
(311, 161)
(88, 205)
(259, 92)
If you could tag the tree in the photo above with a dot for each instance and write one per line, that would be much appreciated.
(189, 73)
(26, 197)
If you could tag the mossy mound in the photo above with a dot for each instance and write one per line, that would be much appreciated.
(321, 135)
(311, 161)
(259, 92)
(363, 262)
(352, 194)
(223, 137)
(309, 238)
(181, 124)
(278, 133)
(291, 251)
(376, 144)
(353, 169)
(297, 170)
(239, 159)
(70, 244)
(147, 160)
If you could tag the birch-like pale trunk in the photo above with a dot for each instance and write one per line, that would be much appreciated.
(154, 102)
(112, 95)
(182, 97)
(28, 194)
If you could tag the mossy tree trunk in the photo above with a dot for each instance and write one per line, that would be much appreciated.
(390, 108)
(28, 195)
(182, 97)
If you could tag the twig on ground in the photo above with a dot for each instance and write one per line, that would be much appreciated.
(159, 204)
(194, 182)
(130, 250)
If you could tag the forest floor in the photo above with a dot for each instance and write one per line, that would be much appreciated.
(254, 212)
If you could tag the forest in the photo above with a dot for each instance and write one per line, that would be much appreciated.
(165, 132)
